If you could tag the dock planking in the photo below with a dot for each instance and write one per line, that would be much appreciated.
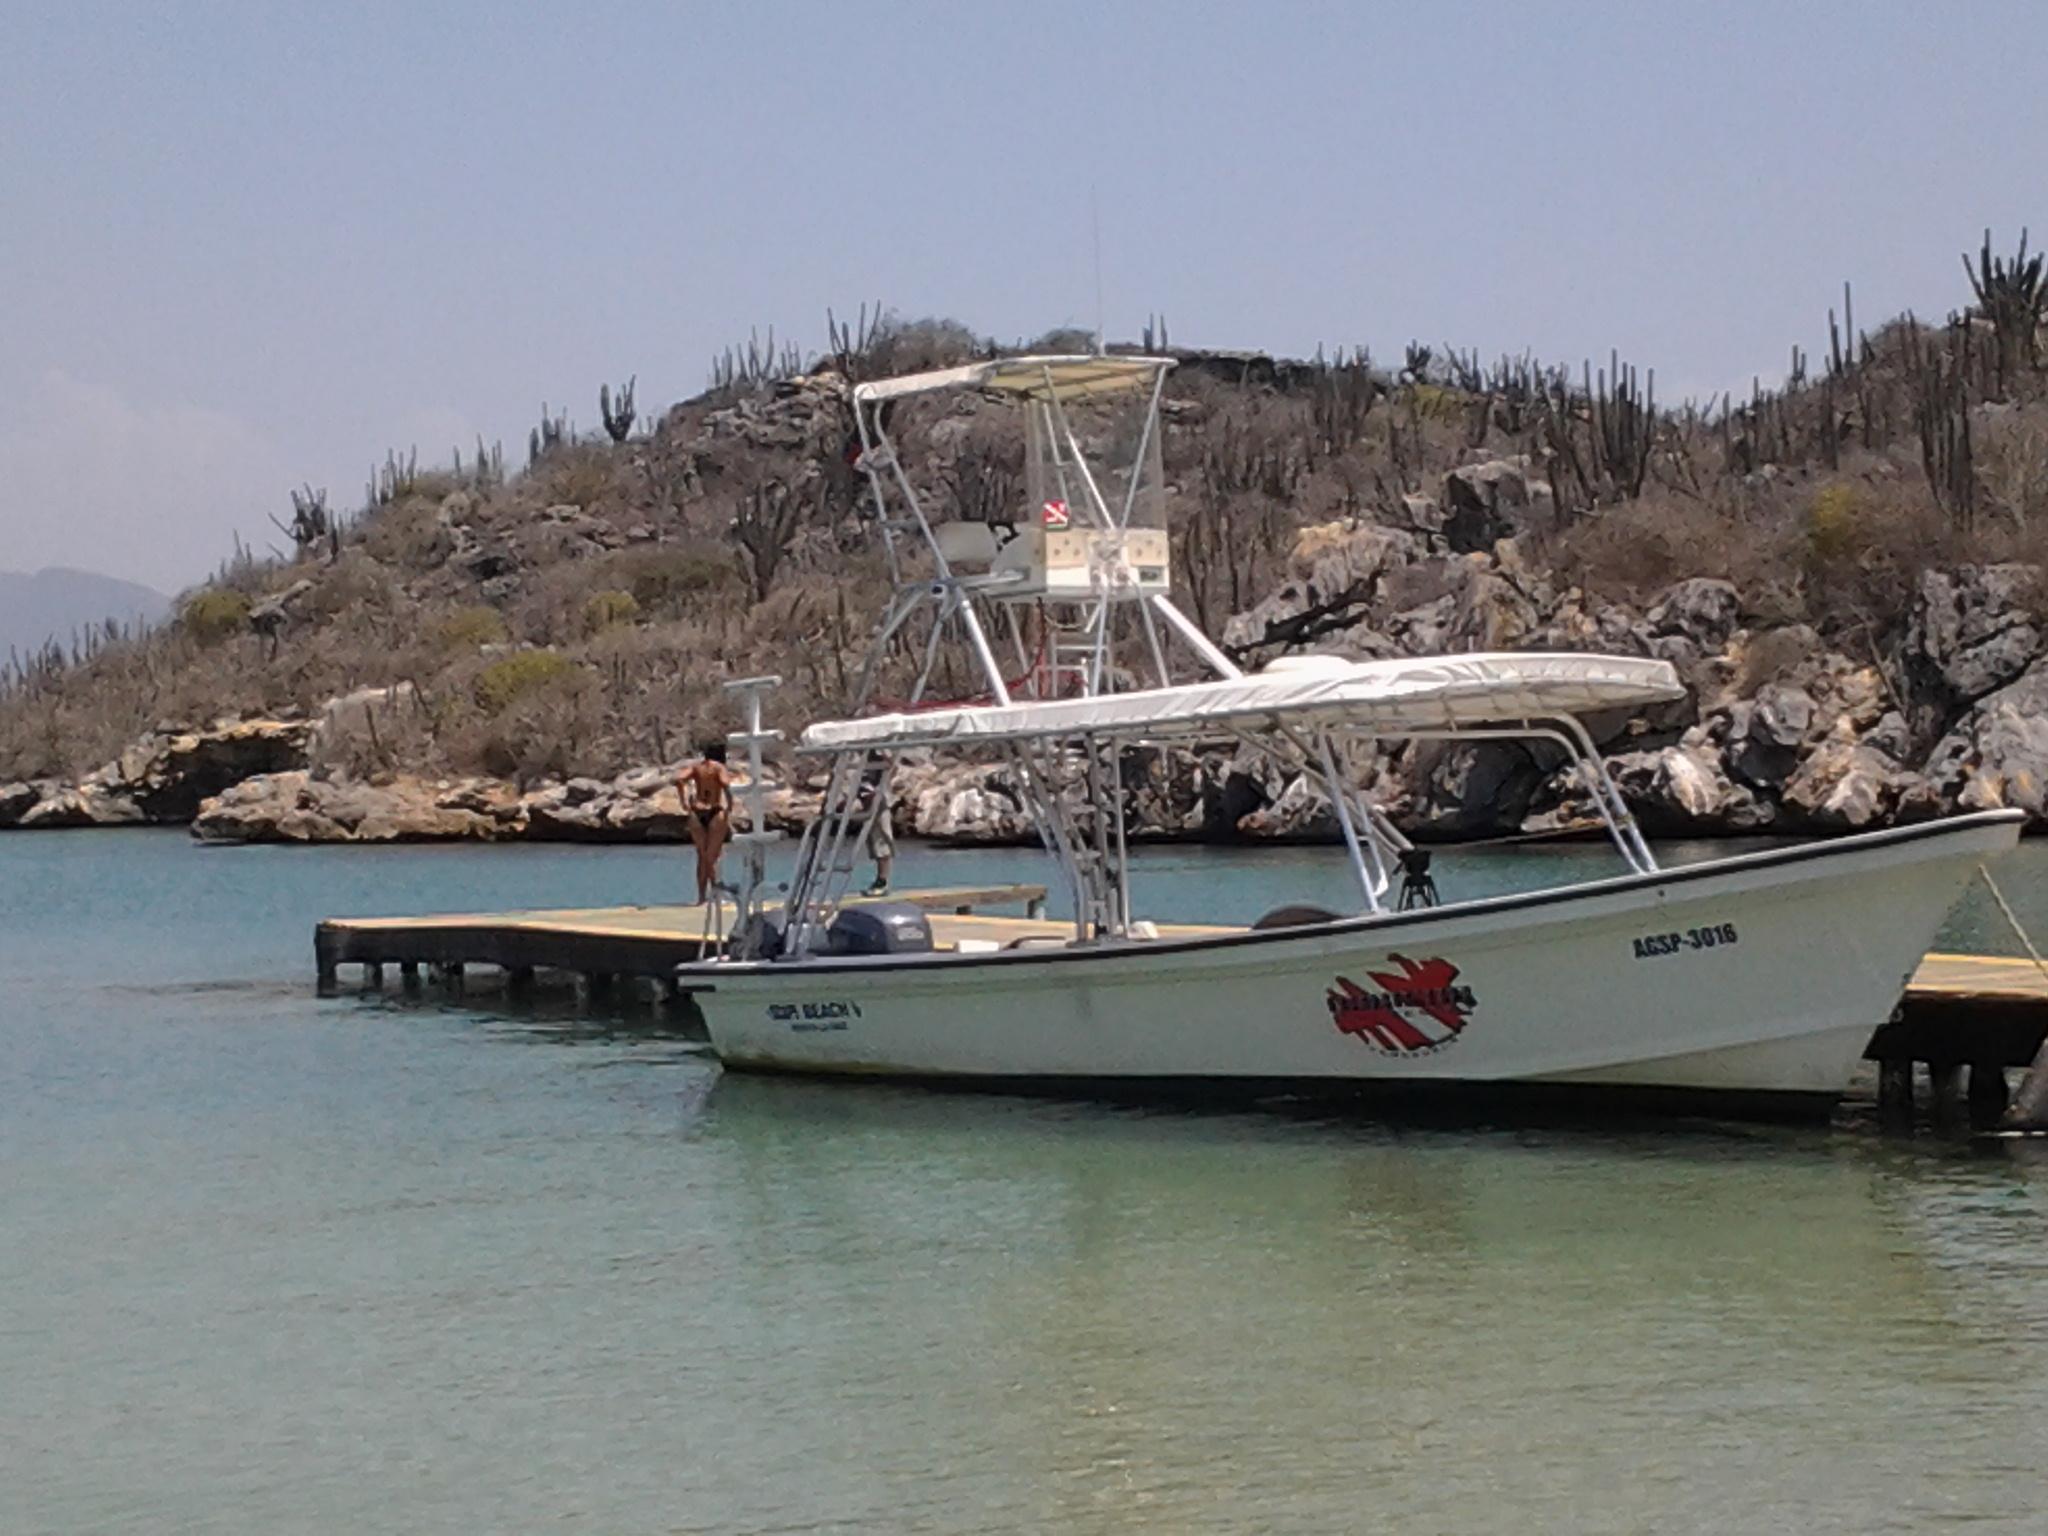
(594, 942)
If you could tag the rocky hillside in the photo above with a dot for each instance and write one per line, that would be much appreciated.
(1846, 570)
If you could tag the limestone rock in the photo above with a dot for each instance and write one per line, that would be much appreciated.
(1845, 784)
(295, 807)
(17, 800)
(1494, 608)
(1334, 572)
(970, 803)
(1300, 810)
(270, 616)
(1475, 789)
(1682, 790)
(1766, 734)
(1702, 609)
(1163, 787)
(1486, 503)
(1973, 629)
(1997, 753)
(167, 773)
(83, 805)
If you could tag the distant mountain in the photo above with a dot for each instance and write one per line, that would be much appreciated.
(54, 602)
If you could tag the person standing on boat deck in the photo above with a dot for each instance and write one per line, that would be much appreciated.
(881, 837)
(706, 790)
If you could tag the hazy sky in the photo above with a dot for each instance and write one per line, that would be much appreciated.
(242, 246)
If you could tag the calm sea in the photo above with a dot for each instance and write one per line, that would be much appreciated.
(272, 1264)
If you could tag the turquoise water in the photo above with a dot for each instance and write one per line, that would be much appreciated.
(271, 1263)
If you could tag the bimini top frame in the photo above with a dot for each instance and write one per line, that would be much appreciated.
(1317, 705)
(1388, 698)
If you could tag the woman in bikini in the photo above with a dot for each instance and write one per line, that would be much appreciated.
(706, 790)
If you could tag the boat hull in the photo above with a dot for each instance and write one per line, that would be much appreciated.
(1751, 978)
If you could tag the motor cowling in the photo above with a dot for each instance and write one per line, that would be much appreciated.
(880, 928)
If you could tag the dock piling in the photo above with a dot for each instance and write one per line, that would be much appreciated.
(1989, 1094)
(1895, 1090)
(1945, 1092)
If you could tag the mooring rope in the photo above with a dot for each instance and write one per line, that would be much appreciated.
(2030, 1105)
(2012, 919)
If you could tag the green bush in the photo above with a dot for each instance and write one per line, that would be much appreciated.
(514, 677)
(214, 614)
(1832, 523)
(606, 610)
(467, 629)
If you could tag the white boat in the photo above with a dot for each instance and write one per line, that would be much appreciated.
(1746, 982)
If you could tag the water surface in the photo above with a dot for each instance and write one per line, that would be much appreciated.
(270, 1263)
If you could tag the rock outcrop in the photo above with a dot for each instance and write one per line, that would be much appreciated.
(295, 807)
(1683, 790)
(17, 800)
(1973, 630)
(162, 778)
(299, 806)
(1997, 753)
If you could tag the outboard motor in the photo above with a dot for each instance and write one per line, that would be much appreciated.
(880, 928)
(759, 937)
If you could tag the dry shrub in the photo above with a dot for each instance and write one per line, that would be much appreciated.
(671, 579)
(553, 728)
(470, 628)
(607, 610)
(385, 737)
(353, 588)
(2010, 448)
(409, 534)
(1865, 544)
(576, 474)
(1632, 552)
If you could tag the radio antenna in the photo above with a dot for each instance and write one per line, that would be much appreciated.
(1095, 220)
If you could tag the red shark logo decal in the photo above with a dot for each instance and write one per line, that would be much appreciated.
(1395, 1020)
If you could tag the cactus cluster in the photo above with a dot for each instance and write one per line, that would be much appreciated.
(618, 421)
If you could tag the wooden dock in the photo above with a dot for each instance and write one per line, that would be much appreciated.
(1964, 1022)
(601, 945)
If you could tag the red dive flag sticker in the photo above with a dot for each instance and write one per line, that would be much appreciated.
(1055, 514)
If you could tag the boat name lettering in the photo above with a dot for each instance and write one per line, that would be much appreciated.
(1712, 936)
(813, 1018)
(1415, 1011)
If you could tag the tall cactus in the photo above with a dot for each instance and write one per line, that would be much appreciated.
(618, 424)
(2011, 295)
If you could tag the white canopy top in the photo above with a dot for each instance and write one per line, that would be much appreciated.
(1392, 698)
(1034, 378)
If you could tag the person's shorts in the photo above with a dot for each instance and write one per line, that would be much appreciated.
(882, 836)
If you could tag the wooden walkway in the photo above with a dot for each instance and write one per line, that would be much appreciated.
(601, 944)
